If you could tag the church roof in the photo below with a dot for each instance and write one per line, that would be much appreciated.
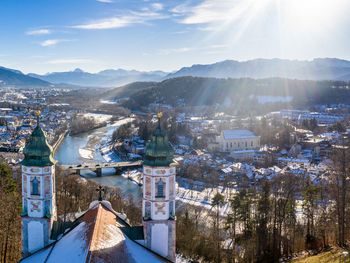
(37, 151)
(97, 237)
(158, 151)
(238, 134)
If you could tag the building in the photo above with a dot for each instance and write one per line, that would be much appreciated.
(38, 192)
(99, 234)
(302, 115)
(235, 140)
(159, 193)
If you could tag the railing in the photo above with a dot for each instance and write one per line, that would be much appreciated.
(100, 165)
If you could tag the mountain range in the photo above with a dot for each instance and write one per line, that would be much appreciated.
(105, 78)
(17, 78)
(316, 69)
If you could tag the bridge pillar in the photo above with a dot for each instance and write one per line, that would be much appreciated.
(118, 170)
(77, 171)
(98, 172)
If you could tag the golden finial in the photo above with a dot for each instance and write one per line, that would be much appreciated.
(159, 116)
(37, 114)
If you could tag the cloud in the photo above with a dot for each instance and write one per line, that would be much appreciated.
(37, 32)
(157, 6)
(70, 61)
(133, 17)
(53, 42)
(207, 49)
(108, 23)
(209, 12)
(105, 1)
(175, 50)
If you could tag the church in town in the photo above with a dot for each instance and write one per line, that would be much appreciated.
(100, 234)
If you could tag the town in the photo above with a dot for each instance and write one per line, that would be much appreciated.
(216, 154)
(194, 131)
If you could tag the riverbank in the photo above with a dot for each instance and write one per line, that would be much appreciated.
(86, 122)
(87, 129)
(59, 141)
(97, 147)
(91, 146)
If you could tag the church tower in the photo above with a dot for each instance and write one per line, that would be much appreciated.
(158, 206)
(38, 192)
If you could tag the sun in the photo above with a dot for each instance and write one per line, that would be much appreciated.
(312, 15)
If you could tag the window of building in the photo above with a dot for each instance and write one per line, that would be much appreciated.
(231, 144)
(246, 145)
(160, 189)
(251, 143)
(35, 186)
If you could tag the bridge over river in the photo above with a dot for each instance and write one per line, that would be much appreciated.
(97, 167)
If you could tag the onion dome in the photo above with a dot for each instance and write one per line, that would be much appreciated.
(37, 151)
(158, 151)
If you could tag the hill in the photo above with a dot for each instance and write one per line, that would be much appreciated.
(242, 93)
(17, 78)
(105, 78)
(333, 256)
(316, 69)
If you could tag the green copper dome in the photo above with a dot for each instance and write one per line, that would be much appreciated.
(158, 151)
(37, 151)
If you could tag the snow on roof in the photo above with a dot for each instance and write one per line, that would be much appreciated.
(99, 237)
(39, 256)
(74, 247)
(238, 134)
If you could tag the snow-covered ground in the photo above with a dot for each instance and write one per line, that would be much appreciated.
(204, 198)
(86, 154)
(271, 99)
(135, 175)
(98, 117)
(109, 155)
(108, 102)
(123, 121)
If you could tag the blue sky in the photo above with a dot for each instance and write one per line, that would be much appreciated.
(57, 35)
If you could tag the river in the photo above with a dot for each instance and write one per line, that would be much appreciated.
(73, 149)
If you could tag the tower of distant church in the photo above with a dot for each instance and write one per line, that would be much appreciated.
(38, 192)
(159, 192)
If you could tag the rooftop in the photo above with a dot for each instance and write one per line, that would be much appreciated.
(238, 134)
(98, 236)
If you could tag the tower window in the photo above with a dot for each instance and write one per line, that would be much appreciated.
(35, 185)
(160, 189)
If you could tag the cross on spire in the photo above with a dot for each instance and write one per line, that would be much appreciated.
(100, 190)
